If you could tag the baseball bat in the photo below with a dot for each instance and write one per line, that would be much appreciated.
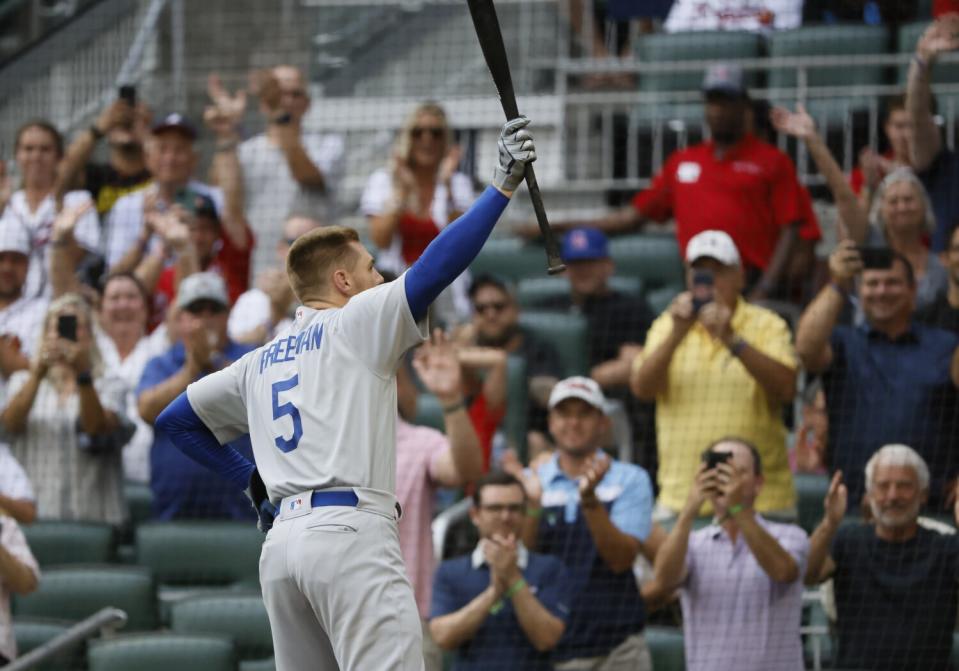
(494, 51)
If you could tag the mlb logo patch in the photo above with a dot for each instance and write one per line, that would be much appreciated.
(296, 504)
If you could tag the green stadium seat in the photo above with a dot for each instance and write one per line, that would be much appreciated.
(568, 333)
(810, 491)
(510, 258)
(200, 552)
(54, 542)
(139, 498)
(259, 665)
(429, 412)
(31, 633)
(838, 40)
(517, 404)
(666, 648)
(955, 648)
(692, 46)
(162, 652)
(241, 617)
(532, 291)
(942, 73)
(652, 258)
(659, 299)
(74, 593)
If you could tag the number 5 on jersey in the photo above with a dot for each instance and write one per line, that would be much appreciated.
(287, 444)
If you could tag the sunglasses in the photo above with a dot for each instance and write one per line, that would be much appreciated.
(204, 305)
(495, 306)
(435, 132)
(500, 508)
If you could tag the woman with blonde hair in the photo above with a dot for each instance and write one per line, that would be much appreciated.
(409, 203)
(64, 420)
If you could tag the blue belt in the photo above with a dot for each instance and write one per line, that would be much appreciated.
(336, 498)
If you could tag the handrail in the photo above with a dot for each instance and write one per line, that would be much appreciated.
(106, 618)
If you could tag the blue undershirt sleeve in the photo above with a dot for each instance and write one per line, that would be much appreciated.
(188, 432)
(452, 251)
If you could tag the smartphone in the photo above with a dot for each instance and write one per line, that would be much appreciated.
(713, 459)
(186, 198)
(128, 93)
(702, 289)
(875, 258)
(67, 327)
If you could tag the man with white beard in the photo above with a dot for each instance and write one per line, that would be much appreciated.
(895, 580)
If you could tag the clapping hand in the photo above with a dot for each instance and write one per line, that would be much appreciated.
(500, 553)
(717, 318)
(438, 367)
(66, 220)
(597, 467)
(836, 499)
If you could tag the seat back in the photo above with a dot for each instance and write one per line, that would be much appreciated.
(162, 652)
(568, 333)
(810, 491)
(241, 617)
(32, 632)
(55, 542)
(654, 259)
(533, 291)
(842, 40)
(509, 258)
(693, 46)
(200, 552)
(77, 592)
(666, 648)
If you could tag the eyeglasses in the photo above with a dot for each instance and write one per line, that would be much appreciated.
(496, 306)
(295, 93)
(500, 508)
(205, 305)
(434, 131)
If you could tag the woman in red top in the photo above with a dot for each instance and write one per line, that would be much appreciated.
(410, 202)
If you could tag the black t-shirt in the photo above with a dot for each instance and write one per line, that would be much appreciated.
(107, 186)
(939, 314)
(896, 602)
(541, 359)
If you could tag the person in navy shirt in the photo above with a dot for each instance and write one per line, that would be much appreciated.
(182, 487)
(887, 380)
(595, 514)
(501, 607)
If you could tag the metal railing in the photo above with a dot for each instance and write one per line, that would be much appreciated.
(103, 622)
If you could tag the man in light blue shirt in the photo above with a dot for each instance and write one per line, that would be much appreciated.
(595, 514)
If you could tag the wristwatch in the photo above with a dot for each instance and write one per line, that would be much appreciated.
(284, 119)
(84, 379)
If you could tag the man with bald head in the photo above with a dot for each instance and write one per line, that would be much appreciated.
(265, 310)
(286, 171)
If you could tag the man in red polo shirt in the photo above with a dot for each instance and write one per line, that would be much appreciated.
(734, 182)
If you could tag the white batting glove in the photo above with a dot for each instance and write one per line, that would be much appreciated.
(515, 151)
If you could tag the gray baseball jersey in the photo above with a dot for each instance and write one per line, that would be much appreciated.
(319, 400)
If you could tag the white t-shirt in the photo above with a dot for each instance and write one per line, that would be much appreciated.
(125, 220)
(319, 400)
(14, 483)
(751, 15)
(272, 194)
(459, 197)
(14, 542)
(251, 310)
(136, 453)
(39, 223)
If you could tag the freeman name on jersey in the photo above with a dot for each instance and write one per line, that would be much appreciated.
(287, 349)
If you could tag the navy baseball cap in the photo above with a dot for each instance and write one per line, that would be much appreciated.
(585, 244)
(724, 79)
(175, 122)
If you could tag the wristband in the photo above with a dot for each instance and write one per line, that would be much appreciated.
(735, 509)
(96, 132)
(509, 594)
(84, 379)
(535, 513)
(737, 346)
(453, 407)
(920, 61)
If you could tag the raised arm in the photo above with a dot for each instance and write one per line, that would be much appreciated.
(926, 142)
(451, 252)
(819, 318)
(820, 565)
(800, 124)
(118, 113)
(66, 253)
(223, 118)
(670, 565)
(617, 548)
(651, 377)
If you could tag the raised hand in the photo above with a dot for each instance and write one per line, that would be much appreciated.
(940, 37)
(223, 117)
(798, 124)
(516, 150)
(730, 484)
(596, 469)
(834, 505)
(682, 313)
(66, 220)
(716, 319)
(703, 488)
(117, 114)
(438, 368)
(264, 85)
(845, 262)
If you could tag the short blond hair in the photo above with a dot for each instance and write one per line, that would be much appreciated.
(315, 254)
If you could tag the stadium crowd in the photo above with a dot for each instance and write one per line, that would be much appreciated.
(123, 282)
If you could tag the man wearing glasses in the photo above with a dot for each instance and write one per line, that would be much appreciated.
(502, 605)
(182, 488)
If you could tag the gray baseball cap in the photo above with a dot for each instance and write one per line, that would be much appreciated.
(202, 286)
(724, 78)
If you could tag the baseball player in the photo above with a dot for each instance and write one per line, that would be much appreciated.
(319, 403)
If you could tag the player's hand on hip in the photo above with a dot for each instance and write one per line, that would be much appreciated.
(516, 150)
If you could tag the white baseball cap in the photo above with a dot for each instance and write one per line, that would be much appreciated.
(715, 245)
(14, 237)
(202, 286)
(583, 388)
